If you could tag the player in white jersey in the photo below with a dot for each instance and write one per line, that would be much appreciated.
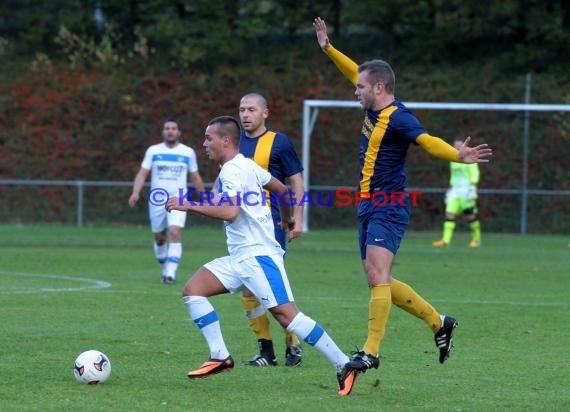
(169, 164)
(255, 258)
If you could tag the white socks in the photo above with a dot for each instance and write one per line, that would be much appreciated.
(205, 317)
(313, 333)
(160, 254)
(174, 253)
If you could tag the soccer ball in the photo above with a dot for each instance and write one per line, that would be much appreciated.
(92, 367)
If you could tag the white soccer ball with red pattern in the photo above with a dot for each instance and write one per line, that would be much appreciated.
(92, 367)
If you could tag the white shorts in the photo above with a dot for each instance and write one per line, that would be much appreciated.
(160, 219)
(264, 276)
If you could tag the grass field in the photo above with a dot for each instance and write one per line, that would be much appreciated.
(511, 298)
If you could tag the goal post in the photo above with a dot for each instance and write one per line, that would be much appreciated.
(311, 113)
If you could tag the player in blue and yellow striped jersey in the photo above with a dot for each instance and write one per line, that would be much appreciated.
(274, 152)
(388, 130)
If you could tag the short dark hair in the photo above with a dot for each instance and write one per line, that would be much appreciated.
(172, 120)
(229, 126)
(379, 71)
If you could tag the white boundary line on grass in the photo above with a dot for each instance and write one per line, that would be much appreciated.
(93, 283)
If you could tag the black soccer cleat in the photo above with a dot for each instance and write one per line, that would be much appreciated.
(362, 361)
(444, 337)
(261, 360)
(293, 355)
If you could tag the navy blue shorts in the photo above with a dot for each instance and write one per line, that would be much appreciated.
(384, 227)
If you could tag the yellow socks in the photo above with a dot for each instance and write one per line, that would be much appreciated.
(406, 298)
(448, 228)
(290, 338)
(378, 312)
(256, 317)
(475, 227)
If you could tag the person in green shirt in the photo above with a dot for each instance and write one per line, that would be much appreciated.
(461, 198)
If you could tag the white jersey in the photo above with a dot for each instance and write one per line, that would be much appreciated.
(170, 166)
(252, 232)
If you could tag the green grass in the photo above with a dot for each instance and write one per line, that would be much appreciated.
(511, 297)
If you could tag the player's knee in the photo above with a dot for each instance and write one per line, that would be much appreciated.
(470, 214)
(376, 275)
(160, 238)
(175, 234)
(285, 313)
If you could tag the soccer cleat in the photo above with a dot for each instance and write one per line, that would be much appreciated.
(212, 367)
(261, 360)
(346, 380)
(293, 355)
(362, 361)
(474, 244)
(440, 243)
(168, 280)
(444, 337)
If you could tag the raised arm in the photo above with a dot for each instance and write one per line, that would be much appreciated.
(344, 63)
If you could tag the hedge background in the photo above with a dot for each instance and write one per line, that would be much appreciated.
(84, 105)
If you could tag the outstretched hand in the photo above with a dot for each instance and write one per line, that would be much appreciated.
(321, 30)
(477, 154)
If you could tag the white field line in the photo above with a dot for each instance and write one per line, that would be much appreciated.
(91, 283)
(101, 284)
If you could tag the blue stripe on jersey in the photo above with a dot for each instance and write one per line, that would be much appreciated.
(171, 158)
(313, 337)
(274, 277)
(206, 320)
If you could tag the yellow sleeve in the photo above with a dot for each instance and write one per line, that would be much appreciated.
(344, 64)
(438, 148)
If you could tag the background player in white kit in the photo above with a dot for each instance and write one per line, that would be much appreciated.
(255, 258)
(170, 163)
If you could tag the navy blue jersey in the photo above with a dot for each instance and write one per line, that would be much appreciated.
(274, 152)
(384, 141)
(282, 161)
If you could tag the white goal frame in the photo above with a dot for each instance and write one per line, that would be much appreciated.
(311, 113)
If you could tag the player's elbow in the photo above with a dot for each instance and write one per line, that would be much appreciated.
(231, 213)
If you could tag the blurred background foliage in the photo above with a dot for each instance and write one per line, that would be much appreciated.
(86, 84)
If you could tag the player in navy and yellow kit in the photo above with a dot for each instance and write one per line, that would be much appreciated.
(388, 130)
(274, 152)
